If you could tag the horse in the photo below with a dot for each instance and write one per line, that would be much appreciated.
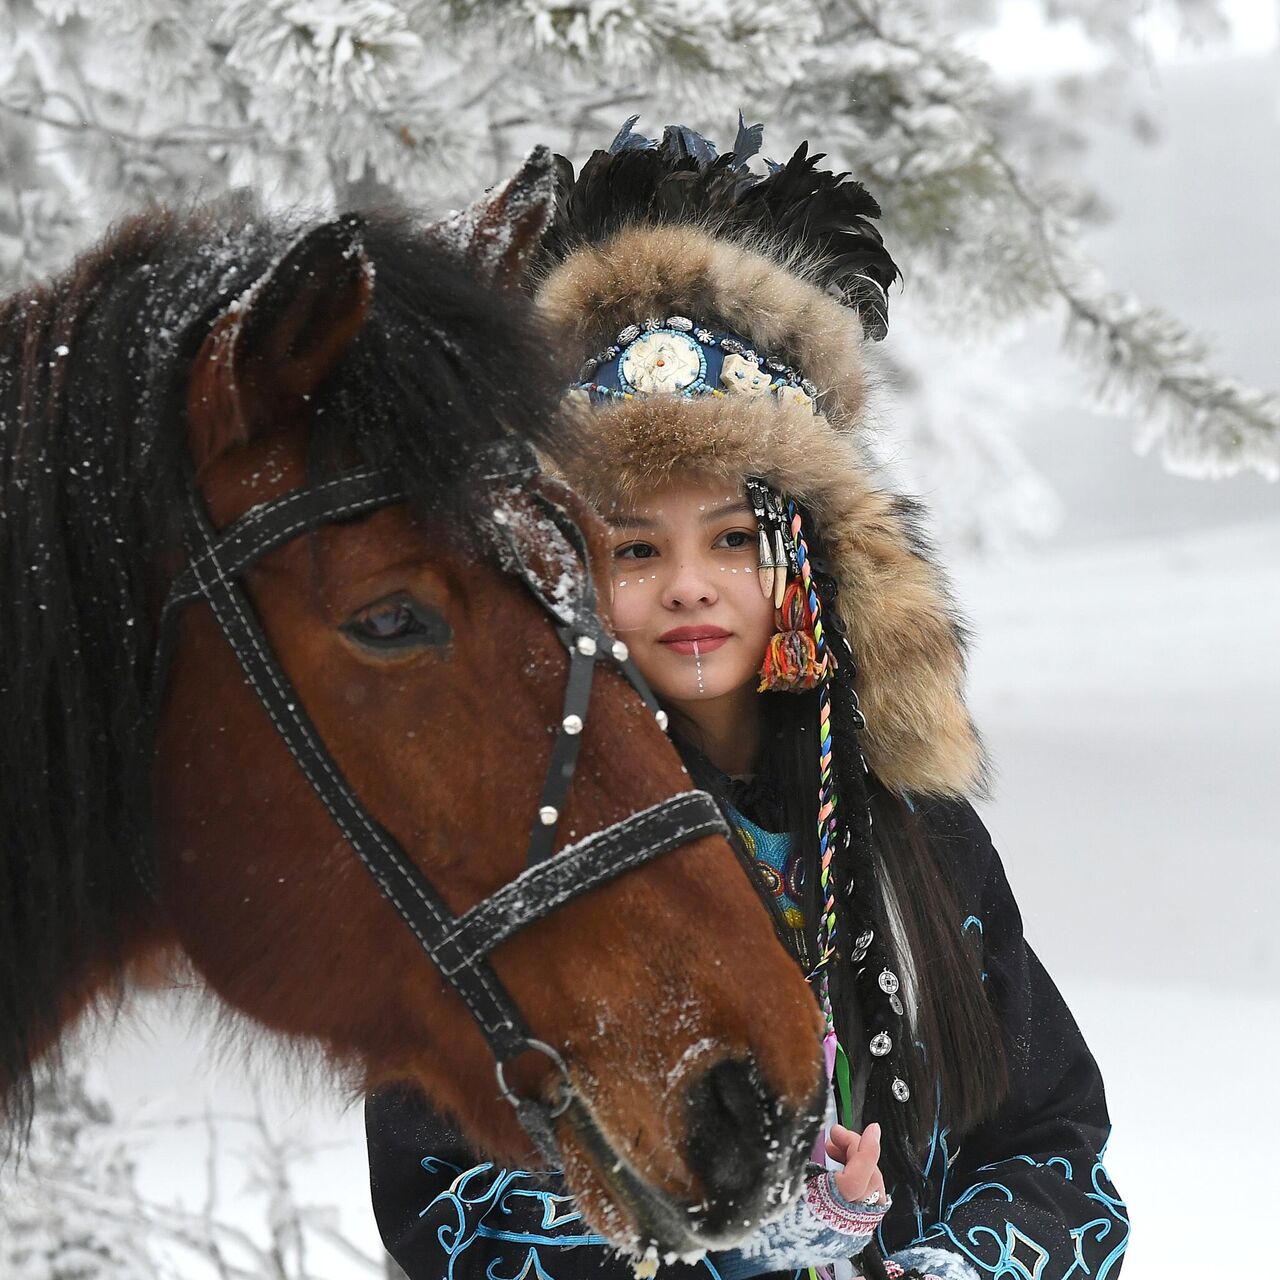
(281, 580)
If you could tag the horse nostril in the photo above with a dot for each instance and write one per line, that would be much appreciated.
(729, 1129)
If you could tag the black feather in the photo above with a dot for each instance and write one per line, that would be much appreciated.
(826, 216)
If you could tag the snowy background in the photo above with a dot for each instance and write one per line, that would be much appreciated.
(1125, 674)
(1127, 677)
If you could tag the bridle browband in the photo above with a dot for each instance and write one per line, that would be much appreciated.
(459, 946)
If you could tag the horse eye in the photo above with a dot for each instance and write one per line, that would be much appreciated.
(399, 622)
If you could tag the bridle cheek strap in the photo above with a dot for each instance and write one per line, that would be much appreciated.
(459, 947)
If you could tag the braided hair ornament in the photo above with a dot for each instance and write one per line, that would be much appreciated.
(800, 658)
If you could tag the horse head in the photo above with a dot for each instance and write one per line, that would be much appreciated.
(431, 676)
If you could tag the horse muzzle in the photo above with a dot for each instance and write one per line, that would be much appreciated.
(744, 1150)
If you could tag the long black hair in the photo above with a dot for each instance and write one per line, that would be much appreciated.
(896, 895)
(94, 466)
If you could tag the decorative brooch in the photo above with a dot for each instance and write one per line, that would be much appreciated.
(677, 357)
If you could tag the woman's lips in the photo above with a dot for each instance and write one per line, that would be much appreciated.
(694, 640)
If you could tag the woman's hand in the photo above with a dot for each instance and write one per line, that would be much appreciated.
(859, 1153)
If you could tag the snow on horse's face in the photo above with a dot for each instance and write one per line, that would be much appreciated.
(435, 681)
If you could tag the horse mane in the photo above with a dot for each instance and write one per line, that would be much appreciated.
(94, 467)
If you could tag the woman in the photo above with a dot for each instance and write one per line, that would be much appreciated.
(785, 610)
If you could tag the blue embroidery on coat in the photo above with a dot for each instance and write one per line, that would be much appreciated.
(974, 922)
(475, 1204)
(1018, 1256)
(476, 1201)
(469, 1199)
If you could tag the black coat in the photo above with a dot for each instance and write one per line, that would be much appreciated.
(1024, 1195)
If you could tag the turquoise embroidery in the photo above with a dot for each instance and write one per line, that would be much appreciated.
(973, 922)
(1004, 1252)
(477, 1201)
(771, 852)
(1017, 1255)
(479, 1198)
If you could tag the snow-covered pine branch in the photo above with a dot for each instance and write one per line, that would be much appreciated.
(923, 124)
(332, 103)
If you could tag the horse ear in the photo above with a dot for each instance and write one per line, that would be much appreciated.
(500, 232)
(278, 341)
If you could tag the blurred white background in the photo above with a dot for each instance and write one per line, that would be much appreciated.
(1126, 674)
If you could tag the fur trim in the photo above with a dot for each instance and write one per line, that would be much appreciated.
(654, 271)
(892, 600)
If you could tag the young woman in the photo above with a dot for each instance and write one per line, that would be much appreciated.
(785, 611)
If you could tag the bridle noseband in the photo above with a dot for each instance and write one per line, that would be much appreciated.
(459, 946)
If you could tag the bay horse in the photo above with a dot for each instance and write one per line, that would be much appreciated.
(207, 704)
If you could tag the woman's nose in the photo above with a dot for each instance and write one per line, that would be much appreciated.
(691, 584)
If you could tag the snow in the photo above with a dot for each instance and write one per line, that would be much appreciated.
(1128, 687)
(1130, 692)
(161, 1075)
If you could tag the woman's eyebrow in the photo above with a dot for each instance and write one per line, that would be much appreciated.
(630, 522)
(733, 509)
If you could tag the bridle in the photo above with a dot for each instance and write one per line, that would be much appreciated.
(459, 946)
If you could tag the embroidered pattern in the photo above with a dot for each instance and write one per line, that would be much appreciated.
(771, 852)
(524, 1225)
(1004, 1252)
(493, 1206)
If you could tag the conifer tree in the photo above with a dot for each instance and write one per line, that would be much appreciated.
(331, 104)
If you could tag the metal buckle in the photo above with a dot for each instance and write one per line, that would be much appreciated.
(565, 1088)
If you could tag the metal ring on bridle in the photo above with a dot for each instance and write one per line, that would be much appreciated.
(566, 1088)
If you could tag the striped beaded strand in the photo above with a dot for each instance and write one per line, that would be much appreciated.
(826, 784)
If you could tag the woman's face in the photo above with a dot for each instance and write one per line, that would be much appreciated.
(686, 590)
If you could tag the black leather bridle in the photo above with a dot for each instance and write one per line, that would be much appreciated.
(459, 946)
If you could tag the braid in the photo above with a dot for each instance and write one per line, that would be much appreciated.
(826, 927)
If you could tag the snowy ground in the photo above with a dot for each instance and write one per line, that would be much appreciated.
(1130, 693)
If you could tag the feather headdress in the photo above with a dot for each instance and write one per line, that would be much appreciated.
(790, 262)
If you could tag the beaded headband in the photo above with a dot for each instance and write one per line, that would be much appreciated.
(675, 356)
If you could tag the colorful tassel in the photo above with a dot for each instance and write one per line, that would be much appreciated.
(791, 661)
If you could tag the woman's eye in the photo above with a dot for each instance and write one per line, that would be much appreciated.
(398, 623)
(634, 551)
(736, 539)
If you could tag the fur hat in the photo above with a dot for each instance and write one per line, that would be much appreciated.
(791, 267)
